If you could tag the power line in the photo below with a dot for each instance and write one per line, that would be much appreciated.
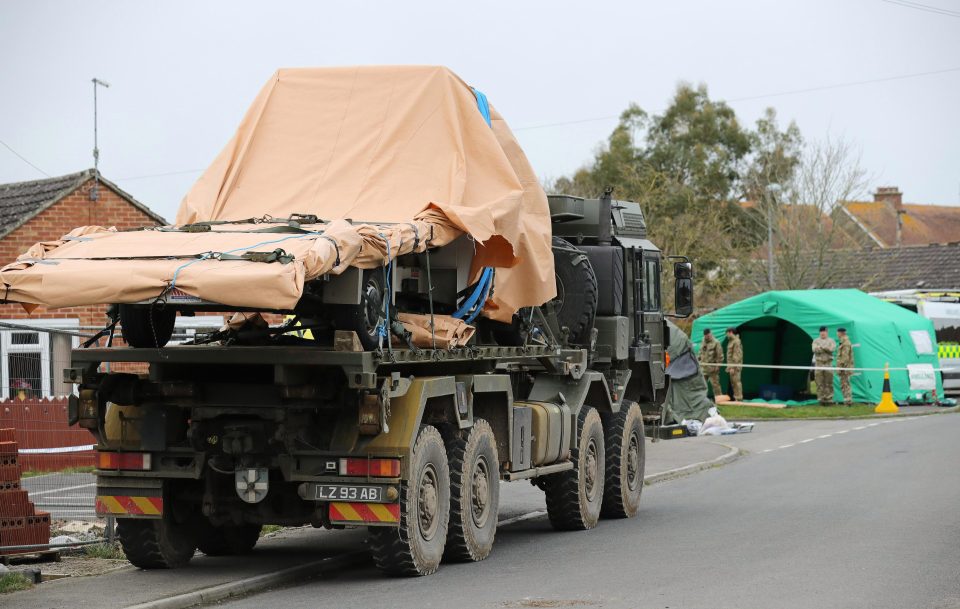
(845, 84)
(160, 175)
(22, 158)
(924, 7)
(763, 96)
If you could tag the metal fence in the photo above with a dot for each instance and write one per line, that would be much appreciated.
(39, 452)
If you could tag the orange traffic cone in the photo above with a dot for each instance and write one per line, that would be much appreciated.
(886, 405)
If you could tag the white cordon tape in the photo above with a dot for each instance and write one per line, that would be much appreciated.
(725, 365)
(59, 449)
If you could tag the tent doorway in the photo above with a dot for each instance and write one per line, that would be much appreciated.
(772, 341)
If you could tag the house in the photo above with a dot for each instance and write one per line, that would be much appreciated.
(889, 222)
(42, 210)
(929, 267)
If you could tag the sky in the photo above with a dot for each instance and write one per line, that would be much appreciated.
(182, 74)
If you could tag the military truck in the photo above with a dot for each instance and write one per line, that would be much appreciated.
(334, 429)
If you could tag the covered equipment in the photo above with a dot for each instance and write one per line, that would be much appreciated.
(330, 168)
(777, 329)
(687, 396)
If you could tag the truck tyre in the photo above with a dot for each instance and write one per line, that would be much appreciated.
(624, 438)
(416, 548)
(574, 497)
(147, 326)
(156, 543)
(474, 493)
(576, 301)
(227, 540)
(367, 317)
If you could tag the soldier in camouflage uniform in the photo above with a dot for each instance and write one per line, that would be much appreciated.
(845, 360)
(734, 361)
(711, 353)
(823, 349)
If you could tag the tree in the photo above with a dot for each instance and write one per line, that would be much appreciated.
(689, 167)
(806, 236)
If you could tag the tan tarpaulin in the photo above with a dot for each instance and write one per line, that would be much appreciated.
(370, 144)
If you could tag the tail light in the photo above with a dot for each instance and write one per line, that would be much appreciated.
(374, 468)
(108, 460)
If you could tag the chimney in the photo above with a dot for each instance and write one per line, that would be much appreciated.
(891, 195)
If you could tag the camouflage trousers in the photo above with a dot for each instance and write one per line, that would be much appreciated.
(845, 387)
(736, 387)
(824, 379)
(714, 379)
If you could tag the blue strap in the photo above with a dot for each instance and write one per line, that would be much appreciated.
(382, 328)
(483, 299)
(483, 105)
(478, 296)
(475, 301)
(208, 255)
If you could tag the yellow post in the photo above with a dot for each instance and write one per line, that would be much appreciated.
(886, 405)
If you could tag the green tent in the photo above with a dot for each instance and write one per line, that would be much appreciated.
(777, 328)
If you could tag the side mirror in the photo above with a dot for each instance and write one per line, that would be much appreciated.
(683, 288)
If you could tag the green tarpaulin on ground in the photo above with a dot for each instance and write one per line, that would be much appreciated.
(687, 396)
(777, 328)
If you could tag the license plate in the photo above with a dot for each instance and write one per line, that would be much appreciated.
(343, 492)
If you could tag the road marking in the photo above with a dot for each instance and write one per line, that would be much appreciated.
(521, 517)
(842, 431)
(60, 490)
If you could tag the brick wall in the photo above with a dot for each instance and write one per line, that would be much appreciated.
(76, 209)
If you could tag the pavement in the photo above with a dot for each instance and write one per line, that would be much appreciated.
(849, 513)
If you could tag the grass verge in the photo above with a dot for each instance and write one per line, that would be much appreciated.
(11, 582)
(269, 528)
(741, 413)
(104, 550)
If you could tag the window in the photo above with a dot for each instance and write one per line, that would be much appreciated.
(651, 284)
(921, 342)
(32, 360)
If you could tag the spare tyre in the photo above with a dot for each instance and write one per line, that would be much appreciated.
(366, 318)
(576, 301)
(147, 326)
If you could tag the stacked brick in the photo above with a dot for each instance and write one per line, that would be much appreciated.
(20, 523)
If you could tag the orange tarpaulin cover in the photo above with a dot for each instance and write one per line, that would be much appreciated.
(403, 153)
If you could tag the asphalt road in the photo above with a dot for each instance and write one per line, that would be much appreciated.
(844, 515)
(65, 496)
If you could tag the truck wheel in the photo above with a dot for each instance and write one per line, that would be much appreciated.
(624, 438)
(227, 540)
(576, 301)
(474, 494)
(417, 546)
(156, 543)
(574, 497)
(365, 318)
(147, 326)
